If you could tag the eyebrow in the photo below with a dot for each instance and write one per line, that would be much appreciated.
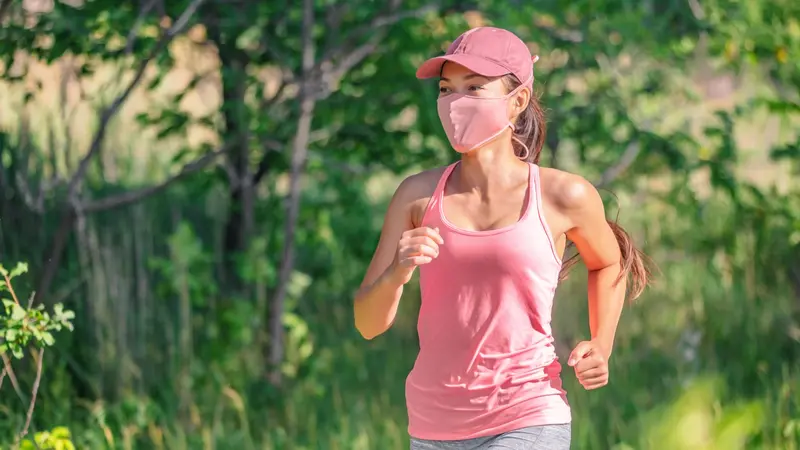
(468, 77)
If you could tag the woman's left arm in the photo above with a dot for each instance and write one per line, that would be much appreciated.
(600, 251)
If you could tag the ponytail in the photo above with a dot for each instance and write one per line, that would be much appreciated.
(633, 264)
(531, 129)
(530, 126)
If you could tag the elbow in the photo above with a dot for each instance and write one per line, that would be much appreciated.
(369, 329)
(366, 335)
(367, 332)
(366, 329)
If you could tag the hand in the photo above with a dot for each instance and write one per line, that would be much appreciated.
(416, 247)
(591, 364)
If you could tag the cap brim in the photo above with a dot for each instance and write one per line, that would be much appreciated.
(432, 68)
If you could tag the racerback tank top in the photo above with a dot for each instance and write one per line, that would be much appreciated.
(486, 363)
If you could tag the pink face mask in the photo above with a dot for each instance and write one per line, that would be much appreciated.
(471, 122)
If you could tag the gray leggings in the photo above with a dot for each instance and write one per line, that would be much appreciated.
(546, 437)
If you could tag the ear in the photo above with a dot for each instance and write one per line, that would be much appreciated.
(520, 102)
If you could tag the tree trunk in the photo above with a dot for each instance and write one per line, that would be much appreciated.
(52, 256)
(239, 225)
(302, 138)
(240, 222)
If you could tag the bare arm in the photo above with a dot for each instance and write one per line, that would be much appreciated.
(401, 249)
(599, 249)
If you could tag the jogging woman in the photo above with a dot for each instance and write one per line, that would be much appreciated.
(488, 234)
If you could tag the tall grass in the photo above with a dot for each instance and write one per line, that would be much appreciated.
(164, 357)
(705, 360)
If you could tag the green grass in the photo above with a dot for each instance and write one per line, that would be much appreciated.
(707, 359)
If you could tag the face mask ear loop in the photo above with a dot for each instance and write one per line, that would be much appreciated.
(527, 153)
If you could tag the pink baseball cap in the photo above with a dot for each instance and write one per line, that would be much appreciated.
(488, 51)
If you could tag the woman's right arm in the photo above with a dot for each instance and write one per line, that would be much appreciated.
(401, 249)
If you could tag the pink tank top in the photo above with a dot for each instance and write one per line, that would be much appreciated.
(486, 362)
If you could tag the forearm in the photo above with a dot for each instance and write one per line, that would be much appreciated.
(605, 304)
(375, 306)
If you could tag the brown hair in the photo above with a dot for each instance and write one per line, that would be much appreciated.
(531, 129)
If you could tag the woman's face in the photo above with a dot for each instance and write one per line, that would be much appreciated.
(457, 79)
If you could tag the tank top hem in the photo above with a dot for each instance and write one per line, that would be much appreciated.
(539, 420)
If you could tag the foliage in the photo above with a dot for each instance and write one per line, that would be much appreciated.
(21, 325)
(205, 181)
(57, 439)
(32, 327)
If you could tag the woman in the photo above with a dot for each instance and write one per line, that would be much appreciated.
(488, 234)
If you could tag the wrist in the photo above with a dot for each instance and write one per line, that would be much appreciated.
(604, 344)
(393, 277)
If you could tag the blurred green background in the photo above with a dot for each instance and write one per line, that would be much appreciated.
(203, 183)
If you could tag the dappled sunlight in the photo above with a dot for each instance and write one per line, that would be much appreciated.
(201, 186)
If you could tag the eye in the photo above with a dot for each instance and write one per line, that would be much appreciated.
(475, 88)
(444, 90)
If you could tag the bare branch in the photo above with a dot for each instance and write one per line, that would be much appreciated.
(3, 179)
(299, 158)
(378, 22)
(286, 80)
(4, 5)
(31, 298)
(34, 391)
(136, 25)
(10, 288)
(11, 376)
(697, 10)
(338, 60)
(108, 113)
(35, 202)
(332, 77)
(116, 201)
(27, 196)
(45, 187)
(343, 57)
(612, 173)
(233, 178)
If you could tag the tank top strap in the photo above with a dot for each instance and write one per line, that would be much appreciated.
(438, 194)
(537, 206)
(534, 199)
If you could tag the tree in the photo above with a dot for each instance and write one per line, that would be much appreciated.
(276, 128)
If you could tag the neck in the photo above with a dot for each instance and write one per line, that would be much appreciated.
(494, 164)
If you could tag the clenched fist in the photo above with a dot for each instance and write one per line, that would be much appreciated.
(591, 365)
(416, 247)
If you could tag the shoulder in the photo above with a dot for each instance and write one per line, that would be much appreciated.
(415, 191)
(567, 192)
(420, 184)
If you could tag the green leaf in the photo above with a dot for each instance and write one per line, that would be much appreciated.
(18, 352)
(11, 334)
(17, 312)
(48, 338)
(3, 271)
(19, 270)
(62, 314)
